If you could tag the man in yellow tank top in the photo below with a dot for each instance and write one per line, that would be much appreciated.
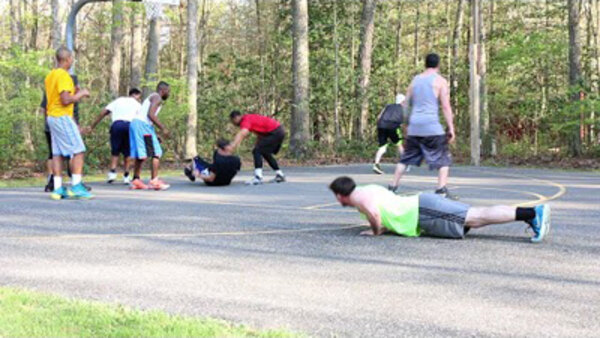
(431, 214)
(65, 135)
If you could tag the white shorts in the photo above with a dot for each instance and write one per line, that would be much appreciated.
(65, 136)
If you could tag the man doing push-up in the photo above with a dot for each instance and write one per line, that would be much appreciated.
(431, 214)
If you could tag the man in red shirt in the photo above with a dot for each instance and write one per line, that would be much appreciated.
(269, 137)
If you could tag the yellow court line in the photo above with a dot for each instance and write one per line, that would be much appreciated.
(319, 206)
(539, 197)
(185, 235)
(561, 188)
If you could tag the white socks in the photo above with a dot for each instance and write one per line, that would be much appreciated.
(258, 172)
(57, 182)
(75, 179)
(380, 153)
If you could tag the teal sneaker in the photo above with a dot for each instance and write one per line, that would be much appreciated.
(61, 193)
(79, 191)
(541, 223)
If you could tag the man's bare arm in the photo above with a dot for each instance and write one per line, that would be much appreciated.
(154, 104)
(239, 137)
(102, 115)
(447, 109)
(66, 98)
(407, 102)
(381, 113)
(374, 220)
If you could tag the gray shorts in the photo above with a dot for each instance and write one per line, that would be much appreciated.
(432, 149)
(65, 137)
(441, 217)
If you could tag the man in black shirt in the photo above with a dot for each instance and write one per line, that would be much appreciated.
(388, 128)
(219, 173)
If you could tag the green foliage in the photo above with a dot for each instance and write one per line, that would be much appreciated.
(248, 67)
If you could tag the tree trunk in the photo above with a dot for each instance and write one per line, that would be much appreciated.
(336, 107)
(575, 69)
(14, 24)
(448, 37)
(300, 133)
(35, 9)
(474, 85)
(483, 100)
(492, 130)
(596, 5)
(192, 78)
(21, 10)
(416, 51)
(137, 48)
(151, 72)
(398, 55)
(458, 23)
(366, 49)
(261, 53)
(116, 39)
(57, 24)
(428, 36)
(182, 41)
(350, 133)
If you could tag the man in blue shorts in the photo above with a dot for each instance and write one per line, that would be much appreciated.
(122, 111)
(431, 214)
(143, 140)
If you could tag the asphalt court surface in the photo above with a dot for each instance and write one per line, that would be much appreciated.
(287, 256)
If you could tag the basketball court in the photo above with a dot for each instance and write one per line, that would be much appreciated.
(287, 256)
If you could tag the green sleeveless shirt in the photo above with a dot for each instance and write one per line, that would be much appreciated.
(399, 214)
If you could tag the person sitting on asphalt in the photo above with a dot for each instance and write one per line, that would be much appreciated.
(431, 214)
(219, 173)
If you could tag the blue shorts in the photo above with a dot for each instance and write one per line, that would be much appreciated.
(143, 141)
(65, 137)
(119, 138)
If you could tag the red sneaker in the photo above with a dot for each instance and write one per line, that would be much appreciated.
(158, 184)
(138, 184)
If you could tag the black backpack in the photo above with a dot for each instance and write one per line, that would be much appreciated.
(392, 117)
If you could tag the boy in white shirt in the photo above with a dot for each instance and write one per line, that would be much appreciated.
(122, 111)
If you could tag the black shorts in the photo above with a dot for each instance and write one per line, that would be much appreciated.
(119, 138)
(383, 135)
(434, 149)
(49, 142)
(270, 143)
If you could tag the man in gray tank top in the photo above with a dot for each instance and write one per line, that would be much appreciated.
(426, 138)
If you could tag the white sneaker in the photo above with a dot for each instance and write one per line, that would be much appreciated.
(111, 177)
(126, 180)
(256, 180)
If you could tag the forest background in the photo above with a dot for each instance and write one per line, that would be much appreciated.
(524, 75)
